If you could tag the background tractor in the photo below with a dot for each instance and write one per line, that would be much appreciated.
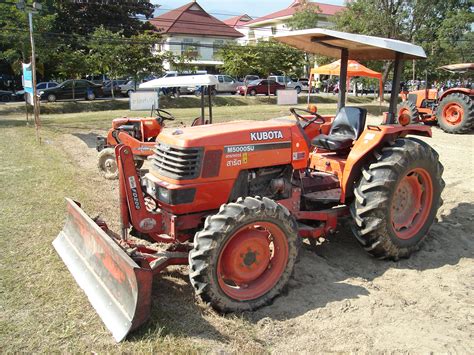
(140, 133)
(234, 200)
(452, 109)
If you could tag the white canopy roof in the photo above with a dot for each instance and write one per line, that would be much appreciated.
(460, 68)
(361, 47)
(180, 81)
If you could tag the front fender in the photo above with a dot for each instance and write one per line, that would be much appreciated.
(372, 138)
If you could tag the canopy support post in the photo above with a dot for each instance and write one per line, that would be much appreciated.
(210, 105)
(397, 72)
(203, 103)
(343, 78)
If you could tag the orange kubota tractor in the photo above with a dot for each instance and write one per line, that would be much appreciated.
(452, 109)
(139, 133)
(234, 200)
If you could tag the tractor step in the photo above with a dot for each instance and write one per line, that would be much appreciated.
(325, 196)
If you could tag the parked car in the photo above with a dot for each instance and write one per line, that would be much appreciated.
(107, 88)
(5, 96)
(20, 95)
(250, 78)
(128, 88)
(286, 80)
(227, 84)
(304, 84)
(78, 89)
(260, 86)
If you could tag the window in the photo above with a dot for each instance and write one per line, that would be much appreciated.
(41, 86)
(228, 79)
(274, 30)
(220, 78)
(52, 85)
(189, 47)
(251, 34)
(218, 43)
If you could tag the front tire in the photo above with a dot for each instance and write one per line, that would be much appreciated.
(245, 255)
(397, 198)
(407, 113)
(51, 98)
(253, 92)
(455, 113)
(90, 96)
(107, 163)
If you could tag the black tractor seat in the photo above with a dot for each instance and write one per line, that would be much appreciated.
(346, 128)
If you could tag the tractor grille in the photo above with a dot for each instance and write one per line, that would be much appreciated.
(177, 162)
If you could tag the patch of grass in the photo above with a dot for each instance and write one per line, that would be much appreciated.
(48, 108)
(41, 307)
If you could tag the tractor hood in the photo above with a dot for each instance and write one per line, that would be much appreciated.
(229, 133)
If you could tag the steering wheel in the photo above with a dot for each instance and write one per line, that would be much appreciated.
(308, 121)
(164, 115)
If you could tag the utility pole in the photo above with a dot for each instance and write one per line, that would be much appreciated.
(36, 111)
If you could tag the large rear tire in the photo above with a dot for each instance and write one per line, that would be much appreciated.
(407, 113)
(455, 113)
(245, 255)
(397, 198)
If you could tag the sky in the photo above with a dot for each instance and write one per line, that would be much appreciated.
(227, 8)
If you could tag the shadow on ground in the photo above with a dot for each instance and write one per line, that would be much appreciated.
(319, 278)
(90, 139)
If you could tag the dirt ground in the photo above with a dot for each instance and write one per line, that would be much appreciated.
(341, 299)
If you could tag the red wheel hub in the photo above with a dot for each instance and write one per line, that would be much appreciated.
(453, 113)
(252, 261)
(411, 203)
(404, 117)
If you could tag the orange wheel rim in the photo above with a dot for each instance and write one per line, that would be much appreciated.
(252, 261)
(453, 114)
(411, 203)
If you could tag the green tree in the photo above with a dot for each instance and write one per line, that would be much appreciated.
(306, 16)
(84, 17)
(15, 41)
(263, 58)
(139, 57)
(106, 49)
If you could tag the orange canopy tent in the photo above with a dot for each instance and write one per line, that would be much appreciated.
(354, 68)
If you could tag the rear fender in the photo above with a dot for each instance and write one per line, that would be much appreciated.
(372, 138)
(465, 91)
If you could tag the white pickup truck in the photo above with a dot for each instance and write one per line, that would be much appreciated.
(286, 80)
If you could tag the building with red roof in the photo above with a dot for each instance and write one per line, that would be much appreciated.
(269, 25)
(191, 29)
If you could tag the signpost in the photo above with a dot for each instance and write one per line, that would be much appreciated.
(287, 97)
(143, 100)
(29, 73)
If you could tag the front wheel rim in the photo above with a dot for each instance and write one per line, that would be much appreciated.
(110, 165)
(411, 203)
(453, 114)
(252, 261)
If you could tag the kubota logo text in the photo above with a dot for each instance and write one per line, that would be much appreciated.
(265, 136)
